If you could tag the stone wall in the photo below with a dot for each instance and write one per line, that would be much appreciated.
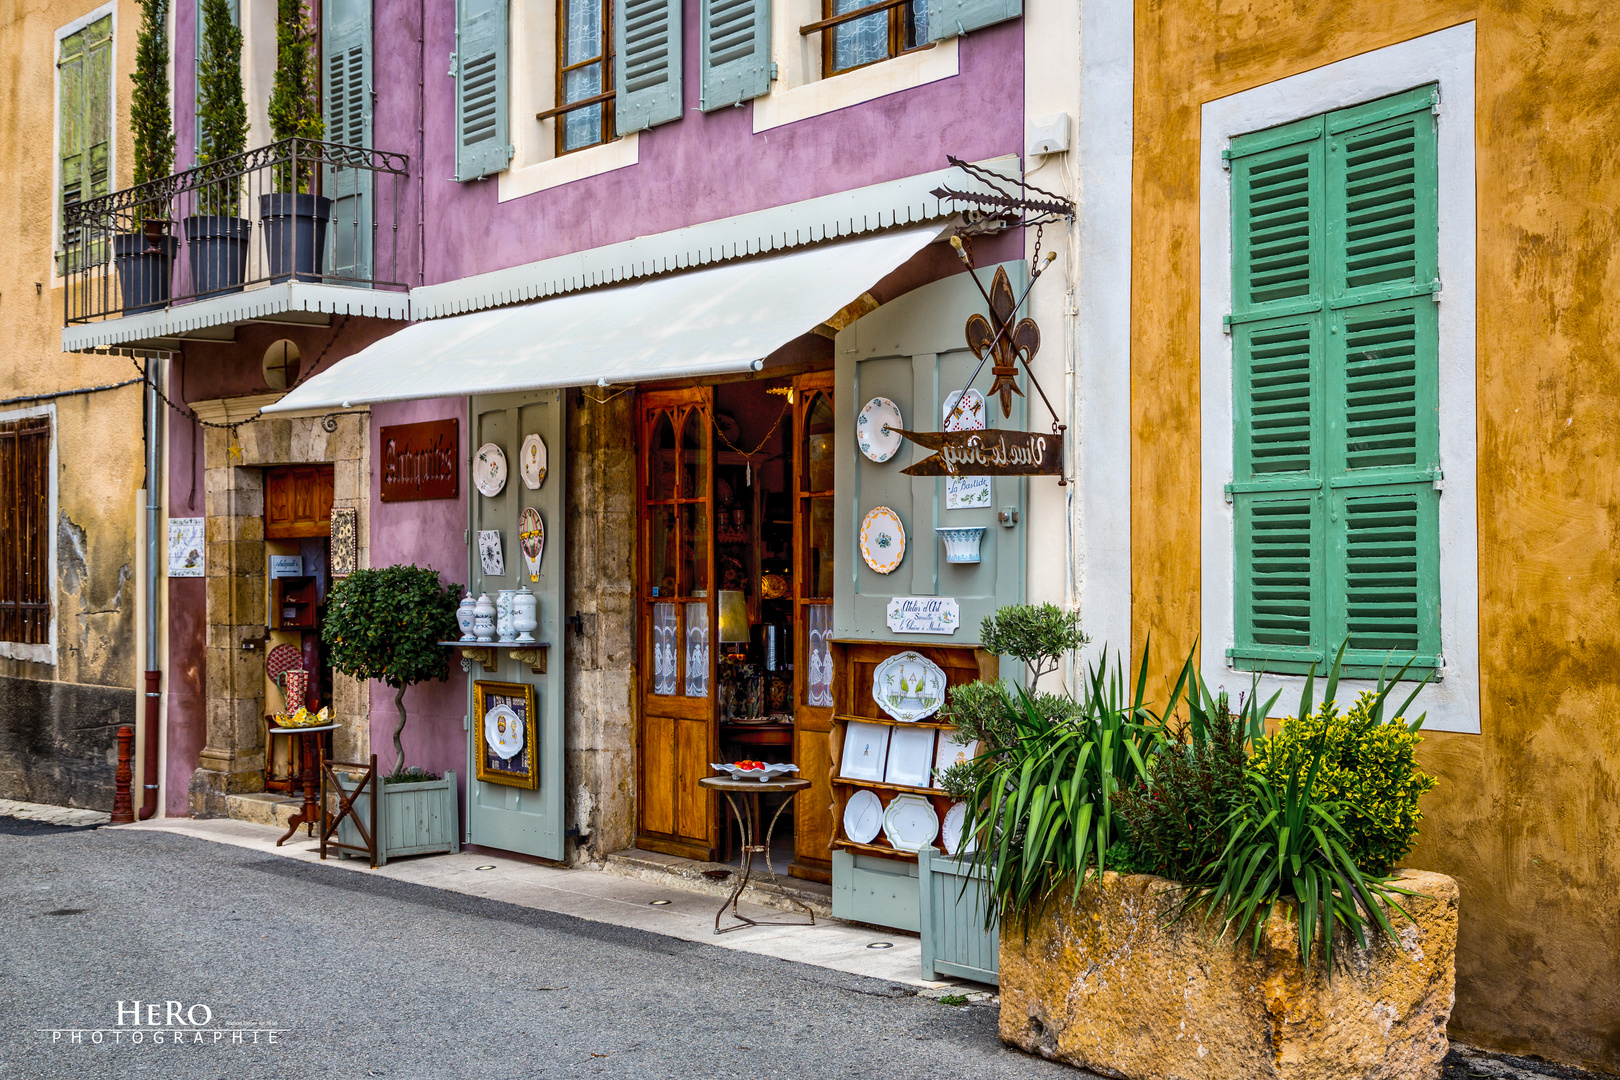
(599, 726)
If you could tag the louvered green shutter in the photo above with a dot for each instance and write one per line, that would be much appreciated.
(1335, 348)
(346, 63)
(951, 18)
(736, 52)
(483, 142)
(647, 42)
(84, 124)
(235, 7)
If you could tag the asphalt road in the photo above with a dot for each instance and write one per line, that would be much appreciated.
(367, 977)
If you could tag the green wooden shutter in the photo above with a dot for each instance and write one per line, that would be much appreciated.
(483, 143)
(197, 55)
(647, 42)
(950, 18)
(346, 62)
(84, 125)
(1280, 571)
(736, 52)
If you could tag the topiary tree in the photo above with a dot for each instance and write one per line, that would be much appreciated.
(221, 109)
(295, 101)
(386, 625)
(149, 116)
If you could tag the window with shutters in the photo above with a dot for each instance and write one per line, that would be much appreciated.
(884, 34)
(585, 90)
(199, 135)
(84, 124)
(1336, 473)
(25, 580)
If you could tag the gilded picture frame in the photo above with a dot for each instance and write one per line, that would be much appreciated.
(496, 705)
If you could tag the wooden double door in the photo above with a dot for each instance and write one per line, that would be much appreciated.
(679, 620)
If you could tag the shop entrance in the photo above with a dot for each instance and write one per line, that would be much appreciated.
(735, 592)
(297, 529)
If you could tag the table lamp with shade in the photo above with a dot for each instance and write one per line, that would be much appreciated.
(733, 620)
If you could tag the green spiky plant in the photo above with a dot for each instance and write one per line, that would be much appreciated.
(149, 117)
(295, 102)
(221, 108)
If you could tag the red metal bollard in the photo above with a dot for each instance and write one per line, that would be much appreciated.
(123, 811)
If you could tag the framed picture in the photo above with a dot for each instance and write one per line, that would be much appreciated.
(507, 754)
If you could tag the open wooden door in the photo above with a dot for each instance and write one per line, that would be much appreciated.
(678, 617)
(812, 482)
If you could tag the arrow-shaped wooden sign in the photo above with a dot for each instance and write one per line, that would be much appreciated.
(987, 453)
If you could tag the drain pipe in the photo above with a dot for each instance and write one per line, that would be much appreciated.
(154, 520)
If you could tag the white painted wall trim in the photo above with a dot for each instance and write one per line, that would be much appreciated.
(1446, 57)
(109, 8)
(16, 650)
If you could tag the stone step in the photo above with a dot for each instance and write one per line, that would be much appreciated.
(263, 808)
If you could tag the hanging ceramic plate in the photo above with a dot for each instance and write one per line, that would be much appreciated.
(950, 834)
(908, 686)
(877, 429)
(489, 470)
(282, 658)
(532, 462)
(970, 417)
(503, 731)
(883, 540)
(910, 823)
(863, 817)
(532, 538)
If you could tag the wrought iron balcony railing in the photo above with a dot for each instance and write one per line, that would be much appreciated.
(296, 210)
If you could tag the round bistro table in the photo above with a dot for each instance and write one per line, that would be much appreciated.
(751, 790)
(310, 812)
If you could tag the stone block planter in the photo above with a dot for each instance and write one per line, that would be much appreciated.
(414, 819)
(1106, 984)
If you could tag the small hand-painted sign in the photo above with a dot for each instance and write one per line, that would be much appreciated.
(420, 461)
(924, 615)
(988, 453)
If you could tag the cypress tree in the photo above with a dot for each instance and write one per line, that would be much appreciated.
(221, 107)
(295, 108)
(149, 103)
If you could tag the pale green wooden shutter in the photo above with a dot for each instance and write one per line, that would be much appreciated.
(951, 18)
(647, 43)
(483, 143)
(346, 62)
(736, 52)
(1335, 379)
(197, 55)
(84, 124)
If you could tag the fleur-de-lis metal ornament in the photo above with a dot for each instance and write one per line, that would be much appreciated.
(1024, 338)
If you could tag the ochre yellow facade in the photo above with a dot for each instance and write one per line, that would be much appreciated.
(1527, 813)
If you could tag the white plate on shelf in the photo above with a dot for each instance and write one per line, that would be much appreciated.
(883, 540)
(489, 470)
(863, 817)
(950, 833)
(910, 822)
(952, 748)
(911, 757)
(877, 429)
(866, 749)
(908, 686)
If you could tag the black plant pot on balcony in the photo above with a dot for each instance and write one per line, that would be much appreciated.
(295, 234)
(144, 266)
(217, 248)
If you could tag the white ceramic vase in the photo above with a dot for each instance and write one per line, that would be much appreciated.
(484, 618)
(525, 614)
(465, 616)
(503, 614)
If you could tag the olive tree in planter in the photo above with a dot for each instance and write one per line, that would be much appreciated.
(386, 625)
(294, 216)
(216, 236)
(145, 257)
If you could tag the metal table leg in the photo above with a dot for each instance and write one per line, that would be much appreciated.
(749, 828)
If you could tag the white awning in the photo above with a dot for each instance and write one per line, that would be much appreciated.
(704, 322)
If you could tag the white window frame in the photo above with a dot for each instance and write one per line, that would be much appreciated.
(111, 8)
(17, 650)
(1445, 57)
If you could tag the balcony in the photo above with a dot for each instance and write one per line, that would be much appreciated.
(290, 233)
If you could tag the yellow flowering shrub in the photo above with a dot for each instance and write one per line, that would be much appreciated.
(1368, 766)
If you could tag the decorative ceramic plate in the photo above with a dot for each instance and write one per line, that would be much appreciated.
(863, 817)
(883, 540)
(908, 686)
(951, 750)
(503, 731)
(910, 823)
(770, 771)
(877, 429)
(970, 417)
(950, 834)
(532, 539)
(282, 658)
(532, 461)
(866, 748)
(489, 470)
(911, 757)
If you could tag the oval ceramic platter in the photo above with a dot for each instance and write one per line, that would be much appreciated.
(910, 822)
(908, 686)
(950, 835)
(877, 429)
(532, 462)
(503, 731)
(883, 540)
(532, 539)
(863, 817)
(489, 470)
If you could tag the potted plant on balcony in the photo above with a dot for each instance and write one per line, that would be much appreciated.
(386, 625)
(216, 237)
(145, 257)
(294, 217)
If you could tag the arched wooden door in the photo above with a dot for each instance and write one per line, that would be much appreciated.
(678, 728)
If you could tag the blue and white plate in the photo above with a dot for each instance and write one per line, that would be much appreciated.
(877, 429)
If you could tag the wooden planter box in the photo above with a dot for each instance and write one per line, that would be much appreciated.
(1107, 984)
(414, 819)
(954, 940)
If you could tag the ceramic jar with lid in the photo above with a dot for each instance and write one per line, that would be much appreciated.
(484, 618)
(525, 612)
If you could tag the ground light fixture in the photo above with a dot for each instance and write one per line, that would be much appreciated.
(657, 903)
(881, 945)
(489, 866)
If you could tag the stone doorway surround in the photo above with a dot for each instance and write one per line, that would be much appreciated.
(232, 761)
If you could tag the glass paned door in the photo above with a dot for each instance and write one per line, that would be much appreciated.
(812, 487)
(676, 569)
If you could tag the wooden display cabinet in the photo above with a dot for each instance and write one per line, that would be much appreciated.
(292, 603)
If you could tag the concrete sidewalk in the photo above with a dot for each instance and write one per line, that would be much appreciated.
(613, 899)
